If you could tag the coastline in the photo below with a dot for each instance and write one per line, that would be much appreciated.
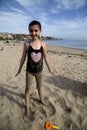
(67, 49)
(65, 92)
(77, 44)
(14, 43)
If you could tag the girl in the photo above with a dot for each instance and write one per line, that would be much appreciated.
(35, 51)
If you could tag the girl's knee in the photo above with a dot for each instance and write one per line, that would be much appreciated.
(27, 90)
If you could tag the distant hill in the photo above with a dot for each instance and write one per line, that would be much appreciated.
(22, 37)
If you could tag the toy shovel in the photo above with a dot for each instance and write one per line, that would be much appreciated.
(48, 126)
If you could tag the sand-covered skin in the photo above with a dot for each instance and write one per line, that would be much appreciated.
(65, 92)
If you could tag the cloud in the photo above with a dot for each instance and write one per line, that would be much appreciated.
(32, 6)
(35, 9)
(16, 10)
(28, 3)
(73, 4)
(16, 19)
(13, 22)
(68, 5)
(76, 29)
(69, 24)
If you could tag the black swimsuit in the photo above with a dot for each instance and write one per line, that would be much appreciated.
(35, 60)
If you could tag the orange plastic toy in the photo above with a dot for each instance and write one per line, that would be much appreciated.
(48, 126)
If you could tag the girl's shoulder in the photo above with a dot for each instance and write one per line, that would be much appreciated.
(27, 44)
(43, 44)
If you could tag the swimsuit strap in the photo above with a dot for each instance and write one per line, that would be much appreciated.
(27, 44)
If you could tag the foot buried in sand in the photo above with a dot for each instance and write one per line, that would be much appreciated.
(27, 112)
(43, 102)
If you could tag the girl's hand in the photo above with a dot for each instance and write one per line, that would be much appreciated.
(51, 72)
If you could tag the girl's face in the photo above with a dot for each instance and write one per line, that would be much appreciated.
(34, 31)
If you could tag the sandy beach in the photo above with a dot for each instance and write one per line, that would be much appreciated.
(65, 92)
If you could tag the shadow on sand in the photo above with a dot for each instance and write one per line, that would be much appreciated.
(78, 88)
(9, 94)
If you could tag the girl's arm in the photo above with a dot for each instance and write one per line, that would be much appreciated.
(46, 57)
(23, 58)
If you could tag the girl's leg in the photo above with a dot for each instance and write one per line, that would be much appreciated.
(29, 79)
(38, 78)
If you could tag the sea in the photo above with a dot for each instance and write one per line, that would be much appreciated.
(78, 44)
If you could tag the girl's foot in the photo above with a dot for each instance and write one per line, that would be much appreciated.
(43, 102)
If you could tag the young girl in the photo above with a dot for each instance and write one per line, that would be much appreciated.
(35, 51)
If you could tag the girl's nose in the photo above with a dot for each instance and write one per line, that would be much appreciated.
(33, 32)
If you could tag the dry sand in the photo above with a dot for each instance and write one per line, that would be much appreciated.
(65, 92)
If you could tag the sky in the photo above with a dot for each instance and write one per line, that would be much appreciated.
(65, 19)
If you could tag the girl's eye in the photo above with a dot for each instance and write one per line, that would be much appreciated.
(34, 30)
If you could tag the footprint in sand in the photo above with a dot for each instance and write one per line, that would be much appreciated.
(31, 117)
(69, 123)
(46, 110)
(37, 110)
(50, 108)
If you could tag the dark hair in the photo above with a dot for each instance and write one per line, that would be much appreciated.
(34, 22)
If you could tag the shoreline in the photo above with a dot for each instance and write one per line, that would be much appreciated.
(51, 44)
(68, 50)
(52, 49)
(79, 44)
(59, 46)
(71, 47)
